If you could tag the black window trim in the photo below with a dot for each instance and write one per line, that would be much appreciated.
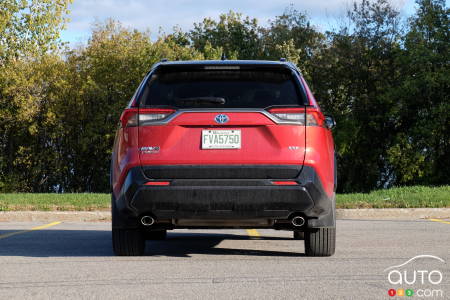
(295, 74)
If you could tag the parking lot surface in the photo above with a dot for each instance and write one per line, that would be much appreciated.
(75, 260)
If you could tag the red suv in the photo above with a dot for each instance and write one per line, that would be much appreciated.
(223, 144)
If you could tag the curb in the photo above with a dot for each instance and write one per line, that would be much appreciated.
(51, 216)
(341, 214)
(393, 213)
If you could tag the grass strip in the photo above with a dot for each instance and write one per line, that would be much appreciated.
(399, 197)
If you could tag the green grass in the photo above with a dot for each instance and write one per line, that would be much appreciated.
(400, 197)
(403, 197)
(46, 202)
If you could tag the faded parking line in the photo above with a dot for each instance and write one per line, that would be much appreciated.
(439, 220)
(32, 229)
(253, 233)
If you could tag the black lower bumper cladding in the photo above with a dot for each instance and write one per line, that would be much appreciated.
(222, 171)
(222, 198)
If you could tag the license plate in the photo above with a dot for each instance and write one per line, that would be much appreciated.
(221, 139)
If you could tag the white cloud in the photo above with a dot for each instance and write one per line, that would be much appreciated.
(155, 14)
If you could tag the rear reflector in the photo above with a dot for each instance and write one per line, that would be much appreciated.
(284, 182)
(158, 183)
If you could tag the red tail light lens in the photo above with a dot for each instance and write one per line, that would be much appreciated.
(158, 183)
(132, 117)
(285, 182)
(297, 116)
(129, 117)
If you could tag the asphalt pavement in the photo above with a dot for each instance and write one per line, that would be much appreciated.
(75, 261)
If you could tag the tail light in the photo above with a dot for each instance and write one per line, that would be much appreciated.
(133, 116)
(297, 116)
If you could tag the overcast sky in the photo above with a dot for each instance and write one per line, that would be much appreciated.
(156, 14)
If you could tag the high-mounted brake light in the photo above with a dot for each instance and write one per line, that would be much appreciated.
(297, 115)
(133, 116)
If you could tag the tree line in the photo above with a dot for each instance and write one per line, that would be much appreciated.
(384, 78)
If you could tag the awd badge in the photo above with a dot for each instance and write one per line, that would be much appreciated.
(149, 149)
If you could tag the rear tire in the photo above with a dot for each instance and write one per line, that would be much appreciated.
(156, 235)
(321, 242)
(128, 242)
(299, 235)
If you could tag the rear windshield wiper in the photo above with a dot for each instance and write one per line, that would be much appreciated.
(200, 100)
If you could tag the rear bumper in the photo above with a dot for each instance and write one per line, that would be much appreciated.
(231, 200)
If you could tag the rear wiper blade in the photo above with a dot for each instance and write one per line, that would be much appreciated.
(200, 100)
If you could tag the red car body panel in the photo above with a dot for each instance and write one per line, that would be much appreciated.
(320, 156)
(263, 141)
(127, 156)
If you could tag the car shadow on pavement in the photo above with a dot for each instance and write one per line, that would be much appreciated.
(91, 243)
(185, 244)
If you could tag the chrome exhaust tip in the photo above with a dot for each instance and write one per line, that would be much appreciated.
(298, 221)
(147, 221)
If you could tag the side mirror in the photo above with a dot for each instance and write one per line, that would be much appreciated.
(330, 122)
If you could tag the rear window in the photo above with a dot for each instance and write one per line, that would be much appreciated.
(222, 88)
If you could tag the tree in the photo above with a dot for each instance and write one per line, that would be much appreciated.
(30, 27)
(388, 88)
(291, 36)
(238, 37)
(351, 76)
(29, 31)
(422, 149)
(104, 75)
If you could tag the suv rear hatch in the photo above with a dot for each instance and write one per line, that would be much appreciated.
(222, 122)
